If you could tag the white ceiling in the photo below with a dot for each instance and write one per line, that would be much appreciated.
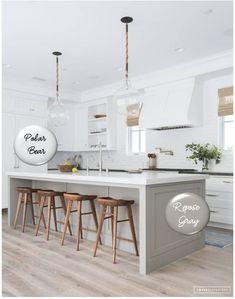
(91, 37)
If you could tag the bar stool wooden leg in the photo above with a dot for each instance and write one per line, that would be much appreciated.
(31, 208)
(130, 216)
(92, 204)
(17, 209)
(115, 233)
(101, 221)
(81, 226)
(43, 218)
(41, 200)
(24, 211)
(66, 221)
(112, 216)
(49, 216)
(53, 206)
(79, 222)
(64, 208)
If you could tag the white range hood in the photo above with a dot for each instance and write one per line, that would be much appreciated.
(173, 105)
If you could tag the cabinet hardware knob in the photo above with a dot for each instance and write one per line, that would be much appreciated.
(228, 182)
(212, 195)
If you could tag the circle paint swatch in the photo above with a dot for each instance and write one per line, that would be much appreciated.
(35, 145)
(187, 213)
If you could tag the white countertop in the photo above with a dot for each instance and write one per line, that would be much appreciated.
(111, 179)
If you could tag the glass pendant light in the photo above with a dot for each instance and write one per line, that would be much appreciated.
(57, 113)
(127, 94)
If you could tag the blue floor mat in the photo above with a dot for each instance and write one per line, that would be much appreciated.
(219, 239)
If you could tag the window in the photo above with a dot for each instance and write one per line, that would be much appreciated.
(226, 132)
(136, 140)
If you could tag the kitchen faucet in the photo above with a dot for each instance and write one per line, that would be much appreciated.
(166, 152)
(100, 162)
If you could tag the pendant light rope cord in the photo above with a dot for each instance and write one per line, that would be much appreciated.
(57, 54)
(57, 79)
(126, 75)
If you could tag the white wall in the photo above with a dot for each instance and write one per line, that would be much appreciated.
(172, 139)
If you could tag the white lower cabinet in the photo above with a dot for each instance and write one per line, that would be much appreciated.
(11, 125)
(219, 196)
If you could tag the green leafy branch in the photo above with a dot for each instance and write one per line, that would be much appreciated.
(203, 151)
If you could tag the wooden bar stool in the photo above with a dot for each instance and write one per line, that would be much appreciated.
(114, 204)
(46, 198)
(25, 198)
(78, 198)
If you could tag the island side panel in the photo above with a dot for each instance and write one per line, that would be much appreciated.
(144, 223)
(163, 244)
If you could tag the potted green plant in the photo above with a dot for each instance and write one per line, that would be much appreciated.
(204, 153)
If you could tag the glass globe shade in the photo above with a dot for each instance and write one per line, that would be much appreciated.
(125, 96)
(58, 115)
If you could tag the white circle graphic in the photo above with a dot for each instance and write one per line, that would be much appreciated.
(35, 145)
(187, 213)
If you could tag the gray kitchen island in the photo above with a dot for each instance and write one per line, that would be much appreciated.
(159, 245)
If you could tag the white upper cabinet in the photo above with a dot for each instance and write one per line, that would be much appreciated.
(101, 125)
(175, 104)
(96, 124)
(82, 128)
(89, 125)
(24, 104)
(66, 134)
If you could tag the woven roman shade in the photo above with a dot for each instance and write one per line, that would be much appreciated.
(133, 114)
(225, 101)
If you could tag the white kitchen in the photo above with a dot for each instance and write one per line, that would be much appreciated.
(112, 114)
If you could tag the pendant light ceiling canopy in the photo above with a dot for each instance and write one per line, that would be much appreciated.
(57, 113)
(127, 94)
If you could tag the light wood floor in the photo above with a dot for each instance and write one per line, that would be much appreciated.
(35, 267)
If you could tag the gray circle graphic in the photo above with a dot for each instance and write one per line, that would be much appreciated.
(187, 213)
(35, 145)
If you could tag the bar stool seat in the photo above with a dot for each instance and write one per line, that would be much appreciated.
(114, 204)
(25, 198)
(79, 198)
(109, 201)
(46, 198)
(25, 189)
